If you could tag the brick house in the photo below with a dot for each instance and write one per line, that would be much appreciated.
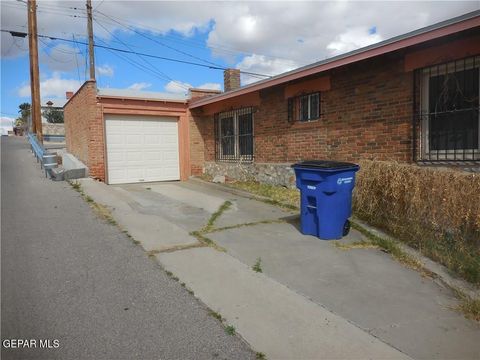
(413, 98)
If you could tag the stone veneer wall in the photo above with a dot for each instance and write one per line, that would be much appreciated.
(269, 173)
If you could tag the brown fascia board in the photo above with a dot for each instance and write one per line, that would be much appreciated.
(435, 31)
(79, 89)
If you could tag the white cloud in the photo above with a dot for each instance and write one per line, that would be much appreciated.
(60, 57)
(210, 86)
(139, 86)
(54, 86)
(262, 35)
(352, 39)
(105, 70)
(6, 124)
(260, 64)
(177, 87)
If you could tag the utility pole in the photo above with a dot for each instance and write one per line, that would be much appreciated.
(35, 109)
(90, 40)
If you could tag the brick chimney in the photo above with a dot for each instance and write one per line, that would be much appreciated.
(69, 94)
(231, 79)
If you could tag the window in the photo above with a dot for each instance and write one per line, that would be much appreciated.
(304, 107)
(234, 135)
(448, 111)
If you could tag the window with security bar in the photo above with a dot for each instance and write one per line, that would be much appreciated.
(304, 108)
(447, 121)
(234, 135)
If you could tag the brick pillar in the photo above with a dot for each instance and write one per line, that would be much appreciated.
(231, 79)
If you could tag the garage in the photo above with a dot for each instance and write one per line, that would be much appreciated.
(141, 149)
(128, 136)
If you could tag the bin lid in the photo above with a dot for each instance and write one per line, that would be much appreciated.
(325, 165)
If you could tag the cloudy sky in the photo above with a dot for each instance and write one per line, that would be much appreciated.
(263, 37)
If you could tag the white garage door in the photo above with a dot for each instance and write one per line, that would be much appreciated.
(141, 149)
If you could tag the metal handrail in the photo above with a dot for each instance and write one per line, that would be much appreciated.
(46, 159)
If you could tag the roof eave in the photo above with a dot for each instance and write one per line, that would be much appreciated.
(140, 98)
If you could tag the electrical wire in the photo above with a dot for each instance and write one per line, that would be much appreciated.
(218, 48)
(141, 58)
(136, 64)
(115, 20)
(159, 42)
(76, 62)
(138, 53)
(50, 55)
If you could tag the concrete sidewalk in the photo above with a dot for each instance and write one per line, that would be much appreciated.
(313, 299)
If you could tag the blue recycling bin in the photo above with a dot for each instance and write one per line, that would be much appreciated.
(326, 197)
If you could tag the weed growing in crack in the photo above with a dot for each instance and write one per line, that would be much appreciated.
(206, 241)
(75, 185)
(261, 222)
(152, 253)
(216, 315)
(230, 330)
(101, 210)
(260, 356)
(392, 248)
(211, 222)
(355, 245)
(257, 267)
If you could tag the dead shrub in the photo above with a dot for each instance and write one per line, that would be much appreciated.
(436, 211)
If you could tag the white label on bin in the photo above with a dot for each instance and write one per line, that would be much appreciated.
(347, 180)
(311, 187)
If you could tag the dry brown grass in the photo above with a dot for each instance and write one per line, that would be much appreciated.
(279, 194)
(436, 211)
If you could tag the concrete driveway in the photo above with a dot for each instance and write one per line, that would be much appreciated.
(313, 299)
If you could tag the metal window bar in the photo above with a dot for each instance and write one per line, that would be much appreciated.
(446, 121)
(305, 107)
(234, 139)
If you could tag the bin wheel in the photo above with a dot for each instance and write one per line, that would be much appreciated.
(346, 228)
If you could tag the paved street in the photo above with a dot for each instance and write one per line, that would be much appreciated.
(70, 276)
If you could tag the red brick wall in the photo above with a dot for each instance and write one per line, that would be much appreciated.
(78, 112)
(84, 129)
(366, 114)
(199, 134)
(96, 144)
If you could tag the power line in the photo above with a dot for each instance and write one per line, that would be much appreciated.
(138, 53)
(158, 42)
(136, 64)
(230, 50)
(50, 55)
(115, 20)
(141, 58)
(76, 62)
